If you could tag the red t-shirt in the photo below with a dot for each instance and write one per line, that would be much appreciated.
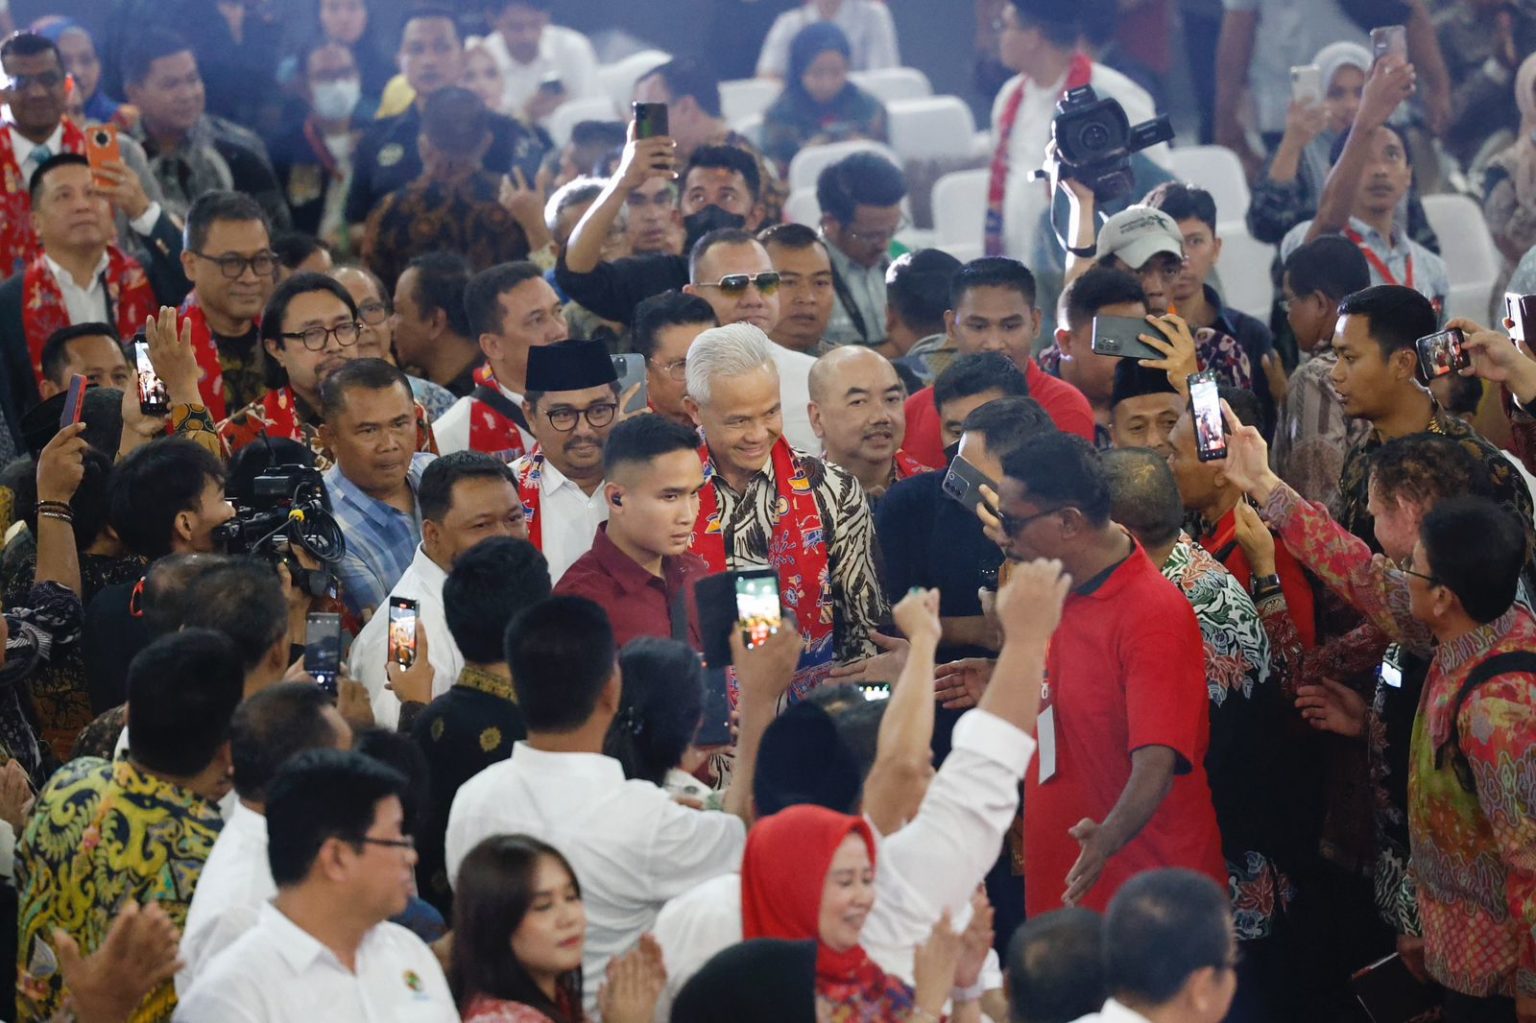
(1294, 583)
(1125, 670)
(1065, 404)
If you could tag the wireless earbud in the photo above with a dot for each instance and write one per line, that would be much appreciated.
(617, 499)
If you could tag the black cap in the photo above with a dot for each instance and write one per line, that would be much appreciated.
(102, 415)
(570, 366)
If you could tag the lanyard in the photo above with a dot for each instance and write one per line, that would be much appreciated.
(1378, 264)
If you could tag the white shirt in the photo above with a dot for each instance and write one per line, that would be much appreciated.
(25, 150)
(631, 845)
(277, 972)
(1289, 32)
(563, 52)
(1024, 198)
(795, 397)
(235, 883)
(1113, 1012)
(871, 36)
(452, 427)
(423, 583)
(933, 863)
(569, 517)
(86, 302)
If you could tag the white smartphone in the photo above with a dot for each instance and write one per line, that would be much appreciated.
(1307, 84)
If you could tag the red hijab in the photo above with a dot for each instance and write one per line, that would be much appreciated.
(783, 874)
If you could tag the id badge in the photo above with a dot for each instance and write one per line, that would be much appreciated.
(1045, 737)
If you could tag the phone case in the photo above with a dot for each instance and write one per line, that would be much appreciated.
(1118, 336)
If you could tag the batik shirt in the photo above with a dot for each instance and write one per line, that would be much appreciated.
(103, 833)
(1313, 434)
(37, 634)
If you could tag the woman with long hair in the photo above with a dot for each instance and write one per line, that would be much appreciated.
(819, 104)
(663, 698)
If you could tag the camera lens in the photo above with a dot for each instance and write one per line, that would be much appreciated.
(1094, 138)
(102, 138)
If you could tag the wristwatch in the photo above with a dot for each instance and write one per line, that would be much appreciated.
(1266, 583)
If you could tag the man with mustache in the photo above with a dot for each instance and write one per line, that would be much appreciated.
(571, 403)
(857, 409)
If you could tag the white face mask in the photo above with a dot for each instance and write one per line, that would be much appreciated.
(335, 101)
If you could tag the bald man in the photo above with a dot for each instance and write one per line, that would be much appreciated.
(857, 411)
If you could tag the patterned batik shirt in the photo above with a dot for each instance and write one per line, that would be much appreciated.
(1313, 434)
(103, 833)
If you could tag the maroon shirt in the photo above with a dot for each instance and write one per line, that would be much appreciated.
(638, 603)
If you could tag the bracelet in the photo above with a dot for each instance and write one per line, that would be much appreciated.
(1266, 582)
(59, 506)
(56, 515)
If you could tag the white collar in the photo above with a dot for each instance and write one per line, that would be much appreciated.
(594, 766)
(60, 274)
(432, 575)
(1115, 1012)
(298, 948)
(243, 818)
(551, 480)
(23, 146)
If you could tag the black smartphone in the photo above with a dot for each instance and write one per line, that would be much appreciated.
(963, 483)
(1205, 409)
(650, 120)
(402, 631)
(154, 399)
(1441, 353)
(1520, 310)
(715, 721)
(74, 402)
(758, 611)
(1120, 336)
(322, 649)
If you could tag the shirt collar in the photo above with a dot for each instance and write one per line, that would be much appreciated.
(1114, 1012)
(375, 511)
(1374, 237)
(847, 268)
(428, 571)
(623, 569)
(245, 820)
(551, 480)
(60, 274)
(482, 681)
(23, 146)
(567, 766)
(297, 947)
(1478, 642)
(129, 777)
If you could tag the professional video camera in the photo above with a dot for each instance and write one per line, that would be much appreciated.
(1095, 139)
(287, 509)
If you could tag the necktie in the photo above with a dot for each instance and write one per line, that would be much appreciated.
(40, 154)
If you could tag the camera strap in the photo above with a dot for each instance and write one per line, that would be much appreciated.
(1378, 264)
(851, 307)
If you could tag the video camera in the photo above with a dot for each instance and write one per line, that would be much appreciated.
(287, 508)
(1095, 139)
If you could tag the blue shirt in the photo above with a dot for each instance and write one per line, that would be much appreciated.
(381, 540)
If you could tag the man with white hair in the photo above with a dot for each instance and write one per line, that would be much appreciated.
(767, 504)
(858, 410)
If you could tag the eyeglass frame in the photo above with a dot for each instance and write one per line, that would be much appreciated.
(21, 83)
(403, 842)
(578, 414)
(676, 370)
(246, 263)
(1013, 524)
(383, 305)
(1432, 580)
(326, 335)
(881, 237)
(765, 288)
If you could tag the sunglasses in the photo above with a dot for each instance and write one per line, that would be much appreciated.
(1013, 525)
(736, 285)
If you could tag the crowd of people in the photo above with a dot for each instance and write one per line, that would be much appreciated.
(377, 477)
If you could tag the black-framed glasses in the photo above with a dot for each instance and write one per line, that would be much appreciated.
(677, 369)
(1012, 525)
(315, 337)
(232, 265)
(735, 285)
(373, 312)
(597, 416)
(404, 842)
(1432, 580)
(882, 237)
(21, 83)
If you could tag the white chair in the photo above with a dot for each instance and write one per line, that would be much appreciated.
(1471, 259)
(1244, 269)
(802, 208)
(619, 79)
(931, 127)
(751, 127)
(572, 112)
(893, 83)
(1217, 170)
(963, 251)
(808, 164)
(959, 206)
(740, 98)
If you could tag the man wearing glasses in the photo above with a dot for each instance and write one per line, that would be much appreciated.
(571, 403)
(860, 198)
(665, 327)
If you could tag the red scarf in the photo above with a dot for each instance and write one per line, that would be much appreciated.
(797, 549)
(274, 417)
(211, 384)
(18, 241)
(491, 432)
(906, 466)
(528, 477)
(43, 311)
(1079, 73)
(783, 872)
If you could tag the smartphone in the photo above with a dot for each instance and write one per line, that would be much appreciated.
(650, 120)
(630, 368)
(1520, 311)
(963, 483)
(1205, 409)
(1307, 84)
(758, 612)
(875, 691)
(1120, 336)
(402, 631)
(322, 649)
(1389, 41)
(74, 402)
(154, 399)
(102, 147)
(715, 721)
(1441, 354)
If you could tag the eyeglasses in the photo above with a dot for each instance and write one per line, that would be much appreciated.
(597, 416)
(21, 83)
(881, 237)
(1432, 580)
(406, 842)
(314, 338)
(233, 265)
(677, 369)
(373, 313)
(1012, 526)
(736, 285)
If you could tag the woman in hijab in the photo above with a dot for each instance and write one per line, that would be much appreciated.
(83, 64)
(809, 872)
(1509, 184)
(819, 104)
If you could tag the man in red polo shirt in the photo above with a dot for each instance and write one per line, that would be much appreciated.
(639, 563)
(992, 309)
(1118, 784)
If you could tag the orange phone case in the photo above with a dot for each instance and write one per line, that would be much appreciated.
(101, 145)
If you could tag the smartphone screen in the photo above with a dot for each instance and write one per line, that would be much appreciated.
(1205, 408)
(758, 613)
(402, 631)
(1441, 354)
(650, 120)
(74, 402)
(322, 648)
(154, 400)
